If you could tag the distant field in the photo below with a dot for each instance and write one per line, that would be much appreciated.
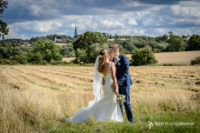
(167, 57)
(33, 98)
(175, 57)
(68, 59)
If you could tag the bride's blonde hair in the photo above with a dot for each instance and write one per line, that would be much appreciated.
(102, 58)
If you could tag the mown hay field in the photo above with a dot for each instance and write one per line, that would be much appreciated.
(177, 57)
(181, 58)
(33, 98)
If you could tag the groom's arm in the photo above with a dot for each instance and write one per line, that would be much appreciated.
(125, 72)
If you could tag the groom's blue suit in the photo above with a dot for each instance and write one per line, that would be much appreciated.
(124, 82)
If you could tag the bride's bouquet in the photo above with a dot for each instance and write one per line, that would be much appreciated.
(120, 98)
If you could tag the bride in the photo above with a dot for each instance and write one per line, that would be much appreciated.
(105, 109)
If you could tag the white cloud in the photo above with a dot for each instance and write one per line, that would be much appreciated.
(160, 30)
(35, 9)
(133, 4)
(181, 18)
(112, 24)
(187, 9)
(73, 25)
(94, 25)
(13, 34)
(46, 26)
(138, 32)
(149, 22)
(132, 22)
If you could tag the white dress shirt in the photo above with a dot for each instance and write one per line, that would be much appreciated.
(116, 58)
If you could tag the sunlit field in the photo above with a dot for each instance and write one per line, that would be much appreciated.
(34, 98)
(177, 58)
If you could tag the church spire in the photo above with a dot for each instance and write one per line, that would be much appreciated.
(75, 33)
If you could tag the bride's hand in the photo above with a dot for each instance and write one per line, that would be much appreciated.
(116, 92)
(103, 81)
(113, 86)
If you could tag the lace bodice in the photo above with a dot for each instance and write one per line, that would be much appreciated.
(108, 74)
(108, 82)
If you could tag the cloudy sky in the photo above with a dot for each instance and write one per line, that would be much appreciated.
(31, 18)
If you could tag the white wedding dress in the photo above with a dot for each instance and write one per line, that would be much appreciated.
(105, 109)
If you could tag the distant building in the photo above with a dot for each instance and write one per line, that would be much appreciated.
(186, 38)
(60, 44)
(75, 33)
(58, 40)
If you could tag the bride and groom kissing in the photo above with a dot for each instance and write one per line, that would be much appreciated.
(115, 70)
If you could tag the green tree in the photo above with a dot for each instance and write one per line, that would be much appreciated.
(160, 46)
(22, 58)
(194, 43)
(3, 26)
(96, 47)
(85, 45)
(13, 47)
(176, 43)
(67, 50)
(143, 56)
(128, 45)
(162, 38)
(195, 61)
(7, 52)
(48, 50)
(81, 56)
(35, 58)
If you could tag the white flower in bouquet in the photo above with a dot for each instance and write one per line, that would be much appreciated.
(120, 98)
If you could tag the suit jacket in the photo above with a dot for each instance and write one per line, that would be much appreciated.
(122, 72)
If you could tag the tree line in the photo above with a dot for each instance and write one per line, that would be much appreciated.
(85, 48)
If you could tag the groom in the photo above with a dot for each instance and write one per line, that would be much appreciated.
(123, 78)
